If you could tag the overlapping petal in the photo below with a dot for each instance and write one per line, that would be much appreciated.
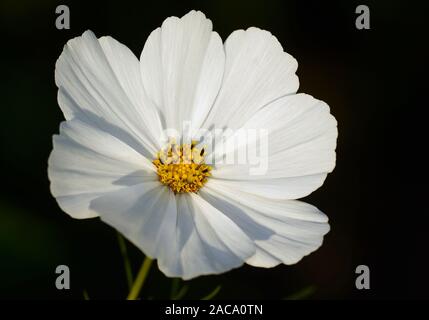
(300, 143)
(182, 65)
(87, 162)
(257, 72)
(284, 231)
(99, 82)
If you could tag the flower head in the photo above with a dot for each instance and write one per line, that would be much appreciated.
(182, 168)
(197, 151)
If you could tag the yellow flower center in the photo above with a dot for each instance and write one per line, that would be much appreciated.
(182, 167)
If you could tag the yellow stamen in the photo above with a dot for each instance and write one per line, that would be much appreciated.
(182, 168)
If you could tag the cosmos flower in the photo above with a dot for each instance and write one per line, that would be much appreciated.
(114, 158)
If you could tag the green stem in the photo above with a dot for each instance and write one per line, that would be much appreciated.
(127, 265)
(212, 294)
(140, 279)
(174, 287)
(85, 295)
(304, 293)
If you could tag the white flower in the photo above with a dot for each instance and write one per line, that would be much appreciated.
(106, 161)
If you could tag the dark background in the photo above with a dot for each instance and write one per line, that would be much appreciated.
(374, 81)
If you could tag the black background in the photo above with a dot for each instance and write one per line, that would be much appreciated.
(374, 81)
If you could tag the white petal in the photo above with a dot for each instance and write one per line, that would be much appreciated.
(284, 231)
(146, 214)
(99, 82)
(189, 240)
(280, 188)
(87, 162)
(257, 71)
(182, 65)
(210, 242)
(292, 209)
(126, 68)
(302, 137)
